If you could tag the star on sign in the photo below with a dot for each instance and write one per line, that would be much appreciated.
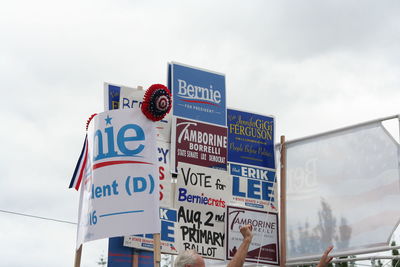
(108, 120)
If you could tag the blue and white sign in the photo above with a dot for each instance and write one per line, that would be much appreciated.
(198, 94)
(119, 193)
(251, 139)
(253, 187)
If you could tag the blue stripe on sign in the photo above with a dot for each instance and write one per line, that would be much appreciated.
(119, 213)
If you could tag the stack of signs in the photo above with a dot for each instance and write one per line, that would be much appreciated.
(123, 97)
(199, 156)
(253, 173)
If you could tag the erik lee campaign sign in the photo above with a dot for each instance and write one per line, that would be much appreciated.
(119, 193)
(197, 94)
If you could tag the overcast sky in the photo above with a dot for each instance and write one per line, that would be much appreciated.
(314, 65)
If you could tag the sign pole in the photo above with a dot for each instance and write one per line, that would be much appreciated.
(78, 254)
(283, 203)
(157, 251)
(135, 259)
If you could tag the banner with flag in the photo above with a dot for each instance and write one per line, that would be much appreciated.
(120, 190)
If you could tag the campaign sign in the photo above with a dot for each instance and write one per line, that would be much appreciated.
(251, 139)
(264, 248)
(119, 194)
(253, 186)
(199, 143)
(164, 173)
(198, 94)
(168, 219)
(201, 197)
(123, 97)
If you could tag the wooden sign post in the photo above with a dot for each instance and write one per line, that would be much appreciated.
(157, 250)
(78, 255)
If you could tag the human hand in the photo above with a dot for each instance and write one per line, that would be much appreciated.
(246, 231)
(325, 259)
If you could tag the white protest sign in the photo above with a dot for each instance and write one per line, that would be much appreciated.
(201, 204)
(264, 247)
(119, 195)
(123, 97)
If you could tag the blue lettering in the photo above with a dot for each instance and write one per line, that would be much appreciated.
(235, 187)
(99, 136)
(163, 157)
(110, 140)
(167, 231)
(125, 103)
(253, 188)
(105, 190)
(268, 189)
(139, 184)
(122, 139)
(182, 194)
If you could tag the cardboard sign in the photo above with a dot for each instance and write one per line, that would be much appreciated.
(119, 195)
(251, 139)
(201, 198)
(168, 219)
(199, 143)
(198, 94)
(253, 187)
(264, 247)
(123, 97)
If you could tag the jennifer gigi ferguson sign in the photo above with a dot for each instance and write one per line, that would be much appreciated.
(264, 247)
(200, 143)
(119, 193)
(197, 94)
(201, 198)
(251, 139)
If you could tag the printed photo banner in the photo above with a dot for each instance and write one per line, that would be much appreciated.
(201, 199)
(264, 247)
(168, 219)
(123, 97)
(119, 193)
(253, 187)
(251, 139)
(199, 143)
(197, 94)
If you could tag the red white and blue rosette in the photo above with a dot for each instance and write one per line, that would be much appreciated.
(157, 102)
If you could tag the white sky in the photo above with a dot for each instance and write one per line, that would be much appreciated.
(314, 65)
